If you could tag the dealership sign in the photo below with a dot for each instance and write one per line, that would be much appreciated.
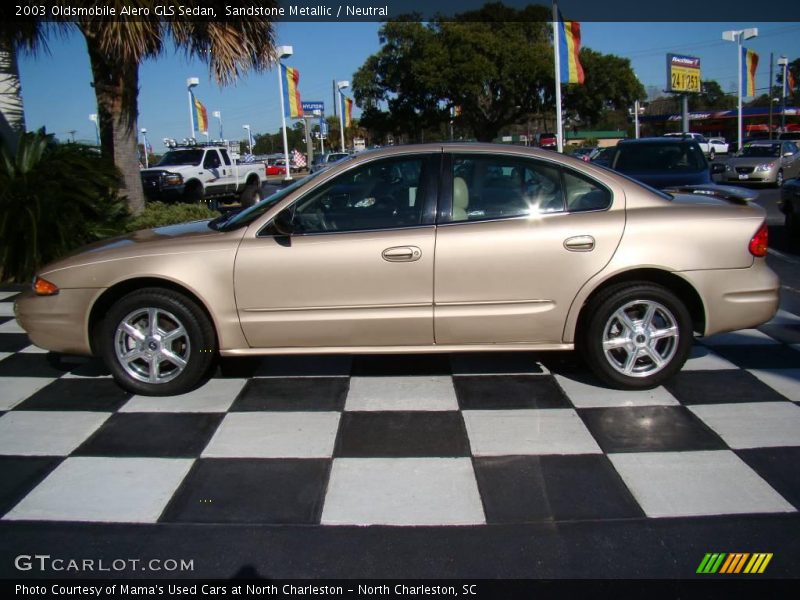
(683, 73)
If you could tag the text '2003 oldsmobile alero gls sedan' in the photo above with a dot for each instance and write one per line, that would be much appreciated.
(432, 248)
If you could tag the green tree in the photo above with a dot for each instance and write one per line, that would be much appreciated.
(117, 48)
(610, 85)
(41, 215)
(495, 63)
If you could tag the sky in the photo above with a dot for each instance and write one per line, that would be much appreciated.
(57, 93)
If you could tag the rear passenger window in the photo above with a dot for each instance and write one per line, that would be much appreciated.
(495, 187)
(584, 194)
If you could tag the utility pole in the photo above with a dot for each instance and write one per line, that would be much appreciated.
(769, 93)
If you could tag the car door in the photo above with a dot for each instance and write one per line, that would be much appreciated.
(517, 239)
(229, 173)
(211, 173)
(358, 268)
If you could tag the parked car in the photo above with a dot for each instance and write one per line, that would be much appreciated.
(584, 153)
(322, 161)
(202, 174)
(273, 168)
(529, 250)
(790, 205)
(661, 162)
(769, 162)
(706, 146)
(547, 140)
(602, 156)
(719, 146)
(790, 135)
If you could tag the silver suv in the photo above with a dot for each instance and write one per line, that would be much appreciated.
(325, 160)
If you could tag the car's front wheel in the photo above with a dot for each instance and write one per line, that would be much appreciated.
(157, 342)
(636, 335)
(779, 179)
(711, 154)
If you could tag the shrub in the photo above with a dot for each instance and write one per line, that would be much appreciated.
(53, 198)
(158, 214)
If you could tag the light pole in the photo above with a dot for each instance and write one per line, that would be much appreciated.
(218, 115)
(284, 52)
(249, 139)
(190, 83)
(340, 86)
(144, 143)
(93, 119)
(783, 62)
(737, 36)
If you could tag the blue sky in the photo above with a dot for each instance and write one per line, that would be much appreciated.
(57, 93)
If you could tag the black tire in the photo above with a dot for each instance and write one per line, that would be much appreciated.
(601, 321)
(193, 194)
(250, 195)
(711, 154)
(195, 345)
(779, 179)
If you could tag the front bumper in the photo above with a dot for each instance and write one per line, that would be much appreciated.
(754, 177)
(58, 323)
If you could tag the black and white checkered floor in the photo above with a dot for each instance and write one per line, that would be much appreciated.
(403, 440)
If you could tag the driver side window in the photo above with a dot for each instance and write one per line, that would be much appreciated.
(381, 194)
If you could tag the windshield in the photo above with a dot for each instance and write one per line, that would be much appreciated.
(244, 218)
(181, 157)
(762, 151)
(668, 157)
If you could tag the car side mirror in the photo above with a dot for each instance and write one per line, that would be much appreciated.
(717, 168)
(283, 223)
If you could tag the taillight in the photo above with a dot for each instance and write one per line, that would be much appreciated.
(758, 243)
(42, 287)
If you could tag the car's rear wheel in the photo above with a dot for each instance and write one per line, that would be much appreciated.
(637, 335)
(157, 342)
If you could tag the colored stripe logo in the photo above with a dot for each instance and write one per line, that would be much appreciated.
(749, 66)
(734, 563)
(292, 105)
(569, 42)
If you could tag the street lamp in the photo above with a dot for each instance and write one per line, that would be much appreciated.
(737, 36)
(341, 85)
(93, 119)
(249, 139)
(783, 62)
(218, 115)
(144, 143)
(190, 83)
(284, 52)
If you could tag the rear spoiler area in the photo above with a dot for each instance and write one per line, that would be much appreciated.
(733, 194)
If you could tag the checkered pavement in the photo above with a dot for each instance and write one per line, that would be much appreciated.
(463, 439)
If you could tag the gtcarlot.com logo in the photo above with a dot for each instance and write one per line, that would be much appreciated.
(734, 563)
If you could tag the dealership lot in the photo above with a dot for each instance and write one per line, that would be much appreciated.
(454, 443)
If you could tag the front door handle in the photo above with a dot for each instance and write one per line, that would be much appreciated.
(580, 243)
(402, 254)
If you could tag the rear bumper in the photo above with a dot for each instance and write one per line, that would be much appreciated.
(736, 298)
(59, 323)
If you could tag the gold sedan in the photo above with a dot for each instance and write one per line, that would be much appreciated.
(431, 248)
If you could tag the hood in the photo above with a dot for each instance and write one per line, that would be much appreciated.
(751, 161)
(171, 239)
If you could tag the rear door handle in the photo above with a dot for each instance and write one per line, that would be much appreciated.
(580, 243)
(402, 254)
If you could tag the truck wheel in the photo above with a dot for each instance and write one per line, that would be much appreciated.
(193, 193)
(250, 195)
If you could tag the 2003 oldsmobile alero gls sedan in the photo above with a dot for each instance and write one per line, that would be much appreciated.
(432, 248)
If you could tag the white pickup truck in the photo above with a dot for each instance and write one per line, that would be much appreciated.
(709, 149)
(203, 174)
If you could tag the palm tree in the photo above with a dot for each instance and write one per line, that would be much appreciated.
(117, 48)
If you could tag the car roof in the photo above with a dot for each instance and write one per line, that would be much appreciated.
(659, 140)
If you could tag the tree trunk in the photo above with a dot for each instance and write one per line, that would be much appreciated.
(116, 87)
(12, 115)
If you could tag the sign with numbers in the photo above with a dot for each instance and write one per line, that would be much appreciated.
(683, 73)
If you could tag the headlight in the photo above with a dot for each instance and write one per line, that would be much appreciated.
(765, 167)
(173, 179)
